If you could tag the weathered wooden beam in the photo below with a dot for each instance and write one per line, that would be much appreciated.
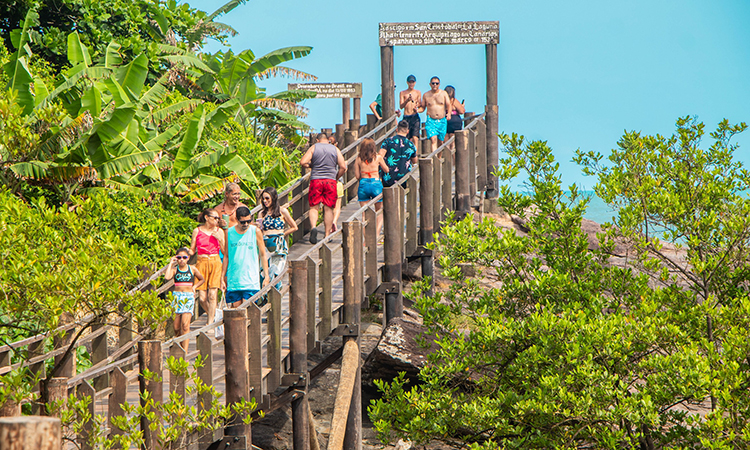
(298, 349)
(30, 433)
(150, 358)
(462, 175)
(237, 367)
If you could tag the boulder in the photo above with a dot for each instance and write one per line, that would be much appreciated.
(398, 351)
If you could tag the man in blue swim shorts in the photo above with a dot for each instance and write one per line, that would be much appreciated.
(437, 104)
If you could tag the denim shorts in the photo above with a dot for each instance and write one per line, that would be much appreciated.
(369, 188)
(238, 296)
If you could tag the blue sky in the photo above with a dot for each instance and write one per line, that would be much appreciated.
(574, 73)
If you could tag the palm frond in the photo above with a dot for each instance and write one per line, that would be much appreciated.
(285, 72)
(282, 105)
(207, 187)
(225, 8)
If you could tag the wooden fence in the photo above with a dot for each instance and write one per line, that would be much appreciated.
(266, 348)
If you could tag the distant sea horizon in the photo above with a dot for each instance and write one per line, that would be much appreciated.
(597, 210)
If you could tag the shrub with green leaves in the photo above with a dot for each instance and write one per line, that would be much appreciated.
(572, 351)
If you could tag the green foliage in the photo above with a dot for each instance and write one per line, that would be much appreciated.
(171, 421)
(66, 264)
(569, 350)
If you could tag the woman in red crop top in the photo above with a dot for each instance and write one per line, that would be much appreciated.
(187, 279)
(208, 240)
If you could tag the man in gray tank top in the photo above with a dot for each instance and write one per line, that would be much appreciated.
(327, 164)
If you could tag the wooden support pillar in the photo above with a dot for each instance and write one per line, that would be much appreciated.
(99, 352)
(255, 350)
(371, 259)
(491, 120)
(340, 129)
(298, 209)
(447, 188)
(354, 125)
(437, 196)
(387, 83)
(274, 344)
(237, 367)
(463, 205)
(481, 163)
(85, 390)
(352, 248)
(392, 244)
(357, 110)
(345, 112)
(177, 382)
(298, 350)
(312, 293)
(119, 383)
(30, 433)
(426, 220)
(325, 300)
(472, 151)
(125, 336)
(372, 122)
(68, 366)
(410, 244)
(57, 389)
(204, 344)
(150, 358)
(425, 146)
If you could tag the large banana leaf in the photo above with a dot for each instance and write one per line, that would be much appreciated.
(157, 143)
(236, 164)
(208, 186)
(19, 76)
(218, 116)
(88, 73)
(189, 142)
(225, 8)
(166, 112)
(133, 76)
(110, 129)
(187, 60)
(112, 57)
(125, 164)
(77, 52)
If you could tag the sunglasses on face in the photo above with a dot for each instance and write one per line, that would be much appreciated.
(182, 257)
(434, 84)
(245, 222)
(214, 217)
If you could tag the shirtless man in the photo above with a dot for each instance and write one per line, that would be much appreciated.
(410, 101)
(438, 106)
(226, 209)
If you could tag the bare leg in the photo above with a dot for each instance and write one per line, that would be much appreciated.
(415, 141)
(313, 216)
(184, 324)
(327, 218)
(204, 304)
(336, 213)
(211, 309)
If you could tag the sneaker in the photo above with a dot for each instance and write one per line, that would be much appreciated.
(314, 236)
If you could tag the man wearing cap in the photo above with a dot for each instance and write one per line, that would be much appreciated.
(411, 102)
(399, 154)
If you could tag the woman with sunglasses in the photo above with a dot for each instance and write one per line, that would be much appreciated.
(187, 279)
(208, 240)
(276, 224)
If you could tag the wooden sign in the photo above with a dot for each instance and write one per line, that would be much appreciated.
(439, 33)
(330, 90)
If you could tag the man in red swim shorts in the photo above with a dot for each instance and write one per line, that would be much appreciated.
(327, 165)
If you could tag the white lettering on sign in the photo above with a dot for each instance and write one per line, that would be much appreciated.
(330, 90)
(439, 33)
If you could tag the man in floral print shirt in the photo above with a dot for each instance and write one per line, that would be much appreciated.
(399, 155)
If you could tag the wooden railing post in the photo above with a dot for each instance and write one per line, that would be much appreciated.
(345, 111)
(352, 248)
(57, 390)
(312, 294)
(125, 335)
(204, 344)
(237, 367)
(30, 433)
(411, 216)
(447, 189)
(117, 398)
(150, 358)
(491, 116)
(426, 220)
(372, 122)
(68, 367)
(274, 344)
(177, 382)
(86, 390)
(481, 144)
(255, 349)
(471, 149)
(354, 125)
(325, 301)
(99, 352)
(349, 138)
(437, 196)
(392, 245)
(298, 350)
(371, 259)
(298, 209)
(462, 175)
(357, 104)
